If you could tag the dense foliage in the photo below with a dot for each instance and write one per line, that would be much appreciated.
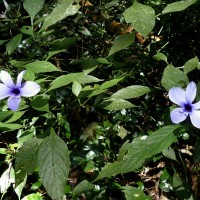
(93, 121)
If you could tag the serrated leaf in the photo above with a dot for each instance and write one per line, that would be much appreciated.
(116, 104)
(132, 193)
(69, 78)
(190, 65)
(63, 9)
(122, 42)
(13, 43)
(129, 92)
(41, 67)
(173, 77)
(54, 162)
(26, 160)
(142, 17)
(76, 88)
(133, 155)
(32, 7)
(178, 6)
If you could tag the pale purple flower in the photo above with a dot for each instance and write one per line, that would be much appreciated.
(184, 99)
(15, 91)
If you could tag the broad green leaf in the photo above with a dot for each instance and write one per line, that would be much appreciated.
(5, 114)
(16, 115)
(34, 196)
(26, 160)
(54, 162)
(121, 42)
(190, 65)
(142, 17)
(131, 92)
(160, 56)
(76, 88)
(69, 78)
(82, 187)
(133, 155)
(13, 43)
(40, 103)
(173, 77)
(63, 9)
(110, 83)
(116, 104)
(9, 127)
(132, 193)
(41, 67)
(178, 6)
(32, 7)
(52, 53)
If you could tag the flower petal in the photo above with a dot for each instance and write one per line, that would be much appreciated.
(19, 78)
(177, 95)
(4, 91)
(191, 91)
(13, 102)
(29, 89)
(6, 79)
(178, 115)
(196, 106)
(195, 118)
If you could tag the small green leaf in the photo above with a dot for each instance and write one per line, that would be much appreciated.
(34, 196)
(76, 88)
(169, 153)
(69, 78)
(9, 127)
(13, 43)
(142, 17)
(63, 9)
(54, 162)
(190, 65)
(5, 114)
(116, 104)
(178, 6)
(41, 67)
(27, 30)
(129, 92)
(122, 42)
(110, 83)
(160, 56)
(132, 193)
(40, 103)
(32, 7)
(82, 187)
(173, 77)
(16, 115)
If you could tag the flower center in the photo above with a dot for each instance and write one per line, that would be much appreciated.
(15, 91)
(187, 108)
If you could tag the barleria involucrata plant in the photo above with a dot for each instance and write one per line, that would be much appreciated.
(98, 123)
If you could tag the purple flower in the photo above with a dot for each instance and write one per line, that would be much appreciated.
(184, 99)
(15, 91)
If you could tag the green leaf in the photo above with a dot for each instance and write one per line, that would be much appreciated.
(35, 196)
(82, 187)
(190, 65)
(16, 115)
(110, 83)
(63, 9)
(178, 6)
(54, 162)
(173, 77)
(26, 160)
(32, 7)
(9, 127)
(41, 67)
(133, 155)
(122, 42)
(129, 92)
(76, 88)
(3, 41)
(13, 43)
(116, 104)
(142, 17)
(132, 193)
(5, 114)
(27, 30)
(19, 188)
(169, 153)
(40, 103)
(69, 78)
(160, 56)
